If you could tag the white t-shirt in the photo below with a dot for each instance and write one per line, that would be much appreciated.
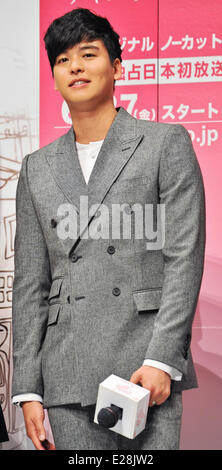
(87, 154)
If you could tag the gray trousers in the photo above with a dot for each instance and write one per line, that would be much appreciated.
(73, 428)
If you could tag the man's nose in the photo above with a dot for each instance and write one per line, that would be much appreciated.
(76, 65)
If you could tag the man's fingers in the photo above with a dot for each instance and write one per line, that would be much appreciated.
(135, 377)
(159, 399)
(34, 435)
(40, 430)
(155, 380)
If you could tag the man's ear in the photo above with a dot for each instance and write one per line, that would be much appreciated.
(117, 69)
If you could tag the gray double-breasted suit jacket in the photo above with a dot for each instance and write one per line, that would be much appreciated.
(85, 308)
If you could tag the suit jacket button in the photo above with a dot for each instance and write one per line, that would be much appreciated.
(74, 258)
(111, 250)
(128, 209)
(116, 291)
(53, 223)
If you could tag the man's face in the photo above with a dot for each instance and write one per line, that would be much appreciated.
(86, 61)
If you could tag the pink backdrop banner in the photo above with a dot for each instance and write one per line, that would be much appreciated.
(171, 72)
(190, 51)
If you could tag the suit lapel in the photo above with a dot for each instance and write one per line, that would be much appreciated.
(117, 148)
(66, 169)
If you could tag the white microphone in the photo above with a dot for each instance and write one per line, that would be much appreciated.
(122, 406)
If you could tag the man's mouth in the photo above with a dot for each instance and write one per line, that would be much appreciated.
(78, 83)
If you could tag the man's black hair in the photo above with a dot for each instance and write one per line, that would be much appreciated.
(76, 26)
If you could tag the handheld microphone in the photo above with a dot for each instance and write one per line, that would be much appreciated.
(122, 406)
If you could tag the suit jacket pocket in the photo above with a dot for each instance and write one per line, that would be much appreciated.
(53, 314)
(55, 288)
(130, 184)
(147, 299)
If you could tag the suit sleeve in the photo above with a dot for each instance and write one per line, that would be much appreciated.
(30, 292)
(181, 190)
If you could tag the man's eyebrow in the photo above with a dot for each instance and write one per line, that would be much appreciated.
(88, 47)
(80, 48)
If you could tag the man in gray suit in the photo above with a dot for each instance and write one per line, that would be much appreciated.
(87, 306)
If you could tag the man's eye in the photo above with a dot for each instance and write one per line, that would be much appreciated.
(89, 55)
(63, 59)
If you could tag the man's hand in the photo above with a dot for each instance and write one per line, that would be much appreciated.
(34, 417)
(155, 380)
